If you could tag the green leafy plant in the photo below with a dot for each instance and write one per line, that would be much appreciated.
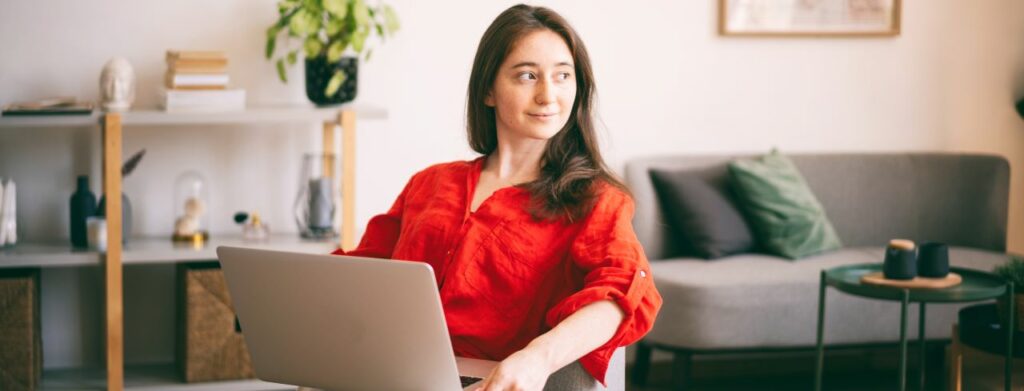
(327, 28)
(1013, 271)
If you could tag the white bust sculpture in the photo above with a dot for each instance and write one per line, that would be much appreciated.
(117, 85)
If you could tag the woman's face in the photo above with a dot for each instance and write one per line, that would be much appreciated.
(534, 89)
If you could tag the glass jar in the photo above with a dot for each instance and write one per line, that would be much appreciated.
(191, 200)
(255, 230)
(315, 204)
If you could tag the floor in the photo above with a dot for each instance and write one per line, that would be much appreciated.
(868, 380)
(845, 371)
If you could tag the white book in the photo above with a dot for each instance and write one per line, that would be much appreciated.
(202, 100)
(197, 79)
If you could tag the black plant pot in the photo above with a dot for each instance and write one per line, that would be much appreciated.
(319, 73)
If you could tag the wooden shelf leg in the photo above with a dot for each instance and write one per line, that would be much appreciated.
(348, 179)
(330, 156)
(112, 262)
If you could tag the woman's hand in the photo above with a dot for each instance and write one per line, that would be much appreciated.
(525, 370)
(582, 332)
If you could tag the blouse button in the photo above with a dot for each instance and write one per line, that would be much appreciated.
(643, 274)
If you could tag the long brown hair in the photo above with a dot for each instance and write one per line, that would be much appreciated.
(572, 163)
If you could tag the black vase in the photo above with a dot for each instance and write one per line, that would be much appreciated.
(319, 73)
(126, 215)
(83, 206)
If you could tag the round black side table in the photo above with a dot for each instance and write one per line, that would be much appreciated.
(976, 286)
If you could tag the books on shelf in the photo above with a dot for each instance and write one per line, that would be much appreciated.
(205, 65)
(195, 55)
(208, 61)
(194, 69)
(198, 81)
(177, 100)
(62, 105)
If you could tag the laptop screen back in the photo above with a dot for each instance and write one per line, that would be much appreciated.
(340, 323)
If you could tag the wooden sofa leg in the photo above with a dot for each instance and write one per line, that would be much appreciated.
(642, 364)
(681, 364)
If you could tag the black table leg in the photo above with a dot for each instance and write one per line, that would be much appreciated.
(1011, 328)
(920, 343)
(821, 335)
(903, 339)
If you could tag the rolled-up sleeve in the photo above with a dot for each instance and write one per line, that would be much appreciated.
(616, 269)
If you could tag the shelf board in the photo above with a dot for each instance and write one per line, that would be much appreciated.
(46, 255)
(23, 121)
(163, 250)
(251, 115)
(159, 377)
(148, 250)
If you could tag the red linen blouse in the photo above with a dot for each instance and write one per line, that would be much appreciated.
(505, 278)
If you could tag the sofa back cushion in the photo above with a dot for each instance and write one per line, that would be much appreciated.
(788, 218)
(702, 214)
(958, 199)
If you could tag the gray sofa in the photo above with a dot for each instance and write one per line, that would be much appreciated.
(757, 302)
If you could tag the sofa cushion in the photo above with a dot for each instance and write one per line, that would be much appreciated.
(702, 214)
(869, 197)
(787, 217)
(764, 301)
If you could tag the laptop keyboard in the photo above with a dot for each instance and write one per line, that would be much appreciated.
(467, 380)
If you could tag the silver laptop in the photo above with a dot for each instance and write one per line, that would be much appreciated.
(344, 323)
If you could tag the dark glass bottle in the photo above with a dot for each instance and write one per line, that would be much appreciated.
(83, 206)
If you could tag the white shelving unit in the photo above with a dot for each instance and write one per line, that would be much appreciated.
(254, 115)
(146, 250)
(117, 376)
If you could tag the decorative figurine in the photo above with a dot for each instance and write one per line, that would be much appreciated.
(191, 200)
(188, 224)
(253, 229)
(117, 85)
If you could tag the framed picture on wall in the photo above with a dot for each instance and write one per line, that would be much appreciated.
(797, 18)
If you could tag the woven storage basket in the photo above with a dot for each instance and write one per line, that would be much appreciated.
(210, 344)
(21, 353)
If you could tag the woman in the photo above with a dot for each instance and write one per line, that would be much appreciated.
(532, 247)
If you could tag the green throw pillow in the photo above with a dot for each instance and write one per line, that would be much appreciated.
(787, 219)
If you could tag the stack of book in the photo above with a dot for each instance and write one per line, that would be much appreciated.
(198, 81)
(50, 106)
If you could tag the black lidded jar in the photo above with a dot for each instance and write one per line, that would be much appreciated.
(83, 206)
(900, 264)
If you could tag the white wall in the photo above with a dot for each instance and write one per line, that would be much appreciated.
(667, 84)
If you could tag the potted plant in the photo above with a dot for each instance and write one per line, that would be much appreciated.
(1013, 271)
(328, 30)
